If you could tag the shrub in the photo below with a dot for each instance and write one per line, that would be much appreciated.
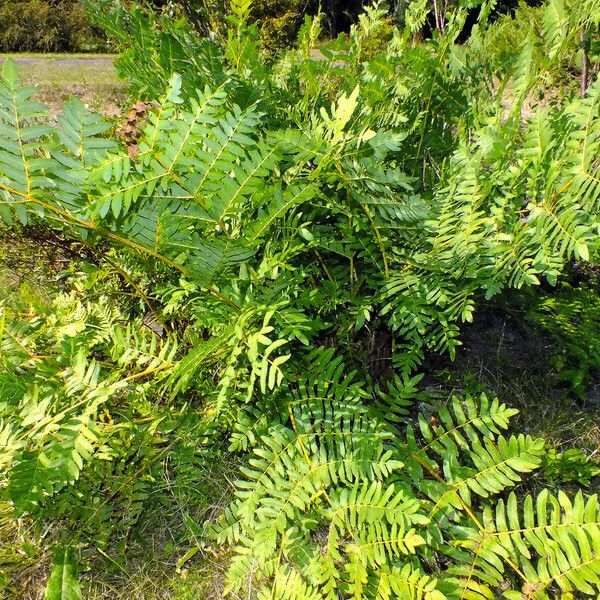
(45, 26)
(296, 242)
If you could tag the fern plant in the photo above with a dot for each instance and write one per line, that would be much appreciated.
(335, 503)
(295, 239)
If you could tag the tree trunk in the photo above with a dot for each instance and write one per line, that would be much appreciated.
(585, 61)
(439, 13)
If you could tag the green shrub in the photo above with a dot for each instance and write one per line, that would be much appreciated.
(278, 22)
(285, 251)
(46, 26)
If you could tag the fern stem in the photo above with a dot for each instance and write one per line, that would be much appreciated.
(324, 266)
(148, 372)
(376, 231)
(113, 236)
(469, 512)
(92, 227)
(442, 480)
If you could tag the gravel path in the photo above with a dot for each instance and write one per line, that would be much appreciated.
(62, 61)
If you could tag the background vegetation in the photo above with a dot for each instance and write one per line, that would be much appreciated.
(64, 26)
(48, 26)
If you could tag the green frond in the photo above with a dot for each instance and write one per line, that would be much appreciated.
(464, 423)
(276, 206)
(406, 582)
(21, 129)
(525, 70)
(63, 583)
(395, 402)
(289, 585)
(416, 14)
(205, 260)
(463, 454)
(141, 349)
(60, 444)
(583, 146)
(298, 467)
(552, 542)
(425, 309)
(80, 131)
(555, 26)
(381, 519)
(497, 466)
(56, 430)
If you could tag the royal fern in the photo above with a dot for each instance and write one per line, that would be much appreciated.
(287, 244)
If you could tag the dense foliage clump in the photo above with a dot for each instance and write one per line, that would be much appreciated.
(274, 256)
(48, 26)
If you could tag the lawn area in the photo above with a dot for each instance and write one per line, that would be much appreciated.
(92, 77)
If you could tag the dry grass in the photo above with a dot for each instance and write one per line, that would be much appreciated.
(28, 272)
(91, 77)
(165, 559)
(501, 356)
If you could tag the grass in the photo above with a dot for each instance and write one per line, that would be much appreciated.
(165, 558)
(55, 55)
(92, 77)
(504, 356)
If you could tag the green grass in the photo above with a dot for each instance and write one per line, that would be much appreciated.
(93, 78)
(54, 55)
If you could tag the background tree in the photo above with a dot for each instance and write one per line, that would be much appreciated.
(47, 26)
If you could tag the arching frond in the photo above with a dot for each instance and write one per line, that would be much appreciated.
(552, 542)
